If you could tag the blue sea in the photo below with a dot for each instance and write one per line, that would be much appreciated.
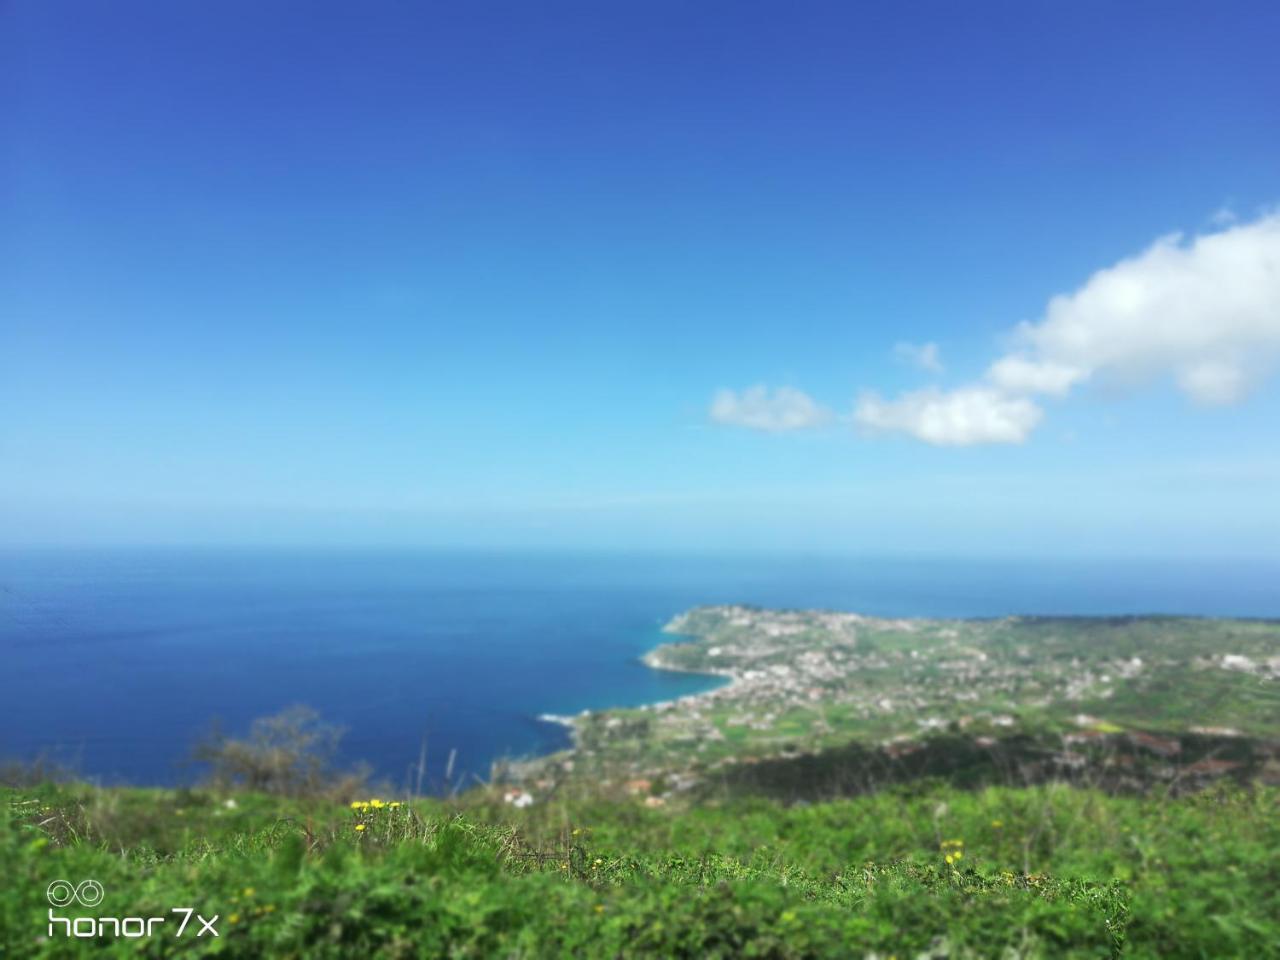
(116, 662)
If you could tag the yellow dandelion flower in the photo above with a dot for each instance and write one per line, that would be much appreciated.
(394, 804)
(376, 803)
(359, 827)
(355, 804)
(248, 891)
(959, 854)
(950, 859)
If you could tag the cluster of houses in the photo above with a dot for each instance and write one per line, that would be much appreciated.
(799, 678)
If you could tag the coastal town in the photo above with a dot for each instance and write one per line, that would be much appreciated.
(806, 683)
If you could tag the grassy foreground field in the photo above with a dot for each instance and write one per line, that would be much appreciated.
(925, 871)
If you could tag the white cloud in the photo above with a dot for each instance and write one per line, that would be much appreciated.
(775, 411)
(1201, 312)
(1223, 216)
(924, 355)
(1213, 382)
(956, 418)
(1204, 312)
(1017, 374)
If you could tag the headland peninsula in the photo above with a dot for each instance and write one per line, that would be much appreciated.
(833, 702)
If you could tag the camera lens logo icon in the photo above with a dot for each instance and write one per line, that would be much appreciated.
(61, 893)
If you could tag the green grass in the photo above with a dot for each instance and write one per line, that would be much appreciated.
(1175, 699)
(1045, 871)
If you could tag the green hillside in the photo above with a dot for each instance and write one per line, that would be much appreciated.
(908, 872)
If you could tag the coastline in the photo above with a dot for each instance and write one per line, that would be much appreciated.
(793, 682)
(652, 659)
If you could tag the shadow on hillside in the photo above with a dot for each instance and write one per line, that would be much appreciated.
(1133, 763)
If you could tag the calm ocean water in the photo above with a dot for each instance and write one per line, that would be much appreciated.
(115, 662)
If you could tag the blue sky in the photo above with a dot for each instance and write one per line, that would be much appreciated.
(535, 274)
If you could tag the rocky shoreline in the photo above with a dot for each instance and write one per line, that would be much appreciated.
(654, 660)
